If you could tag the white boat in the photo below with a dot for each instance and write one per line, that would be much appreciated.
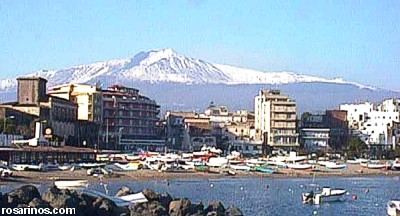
(324, 163)
(133, 157)
(217, 162)
(231, 172)
(327, 195)
(51, 167)
(122, 201)
(277, 163)
(187, 166)
(333, 165)
(357, 161)
(240, 167)
(91, 165)
(64, 167)
(299, 166)
(393, 208)
(19, 167)
(35, 167)
(375, 165)
(127, 167)
(71, 184)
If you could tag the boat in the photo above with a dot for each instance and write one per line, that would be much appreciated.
(393, 207)
(264, 169)
(327, 195)
(231, 172)
(127, 167)
(133, 157)
(19, 167)
(217, 162)
(187, 166)
(5, 172)
(240, 167)
(396, 164)
(277, 163)
(51, 167)
(334, 165)
(35, 167)
(122, 201)
(299, 166)
(64, 167)
(202, 168)
(91, 165)
(71, 184)
(357, 161)
(375, 165)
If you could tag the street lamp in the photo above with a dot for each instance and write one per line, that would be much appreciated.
(5, 123)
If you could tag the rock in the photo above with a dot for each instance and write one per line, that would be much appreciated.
(66, 199)
(104, 207)
(124, 191)
(22, 195)
(38, 203)
(215, 208)
(153, 208)
(165, 200)
(180, 207)
(233, 211)
(151, 195)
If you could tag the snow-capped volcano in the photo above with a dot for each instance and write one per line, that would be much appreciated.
(168, 66)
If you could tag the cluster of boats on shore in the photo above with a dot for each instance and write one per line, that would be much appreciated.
(209, 159)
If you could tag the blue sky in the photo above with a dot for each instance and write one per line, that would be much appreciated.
(356, 40)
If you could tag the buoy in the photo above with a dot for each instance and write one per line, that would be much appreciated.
(301, 186)
(376, 204)
(290, 189)
(367, 190)
(266, 186)
(211, 185)
(241, 187)
(167, 183)
(354, 197)
(315, 212)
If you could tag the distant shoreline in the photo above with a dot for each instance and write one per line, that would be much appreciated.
(25, 177)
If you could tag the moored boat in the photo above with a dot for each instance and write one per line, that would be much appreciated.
(71, 184)
(264, 169)
(327, 195)
(240, 167)
(393, 207)
(375, 165)
(334, 165)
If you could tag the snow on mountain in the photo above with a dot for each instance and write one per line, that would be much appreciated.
(168, 66)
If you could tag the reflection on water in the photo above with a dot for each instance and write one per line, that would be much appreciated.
(266, 196)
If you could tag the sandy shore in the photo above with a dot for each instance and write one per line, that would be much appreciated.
(27, 177)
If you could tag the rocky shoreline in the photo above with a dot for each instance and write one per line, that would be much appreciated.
(85, 205)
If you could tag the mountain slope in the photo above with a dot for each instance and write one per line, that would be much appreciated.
(168, 66)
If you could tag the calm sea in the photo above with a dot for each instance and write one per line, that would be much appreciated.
(267, 196)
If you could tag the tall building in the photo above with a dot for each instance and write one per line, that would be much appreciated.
(31, 90)
(129, 119)
(275, 119)
(88, 98)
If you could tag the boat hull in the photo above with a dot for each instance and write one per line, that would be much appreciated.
(71, 184)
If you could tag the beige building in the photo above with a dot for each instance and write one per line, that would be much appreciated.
(88, 98)
(275, 118)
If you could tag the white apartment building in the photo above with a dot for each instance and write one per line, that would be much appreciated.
(275, 118)
(88, 98)
(373, 121)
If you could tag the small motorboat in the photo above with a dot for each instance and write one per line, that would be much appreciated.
(299, 166)
(327, 195)
(35, 167)
(128, 167)
(357, 161)
(133, 157)
(396, 165)
(19, 167)
(393, 208)
(334, 165)
(91, 165)
(71, 184)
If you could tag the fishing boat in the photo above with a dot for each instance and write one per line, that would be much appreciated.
(133, 157)
(240, 167)
(299, 166)
(64, 167)
(71, 184)
(375, 165)
(19, 167)
(357, 161)
(393, 207)
(35, 167)
(334, 165)
(327, 195)
(127, 167)
(264, 169)
(277, 163)
(396, 164)
(202, 168)
(122, 201)
(217, 162)
(91, 165)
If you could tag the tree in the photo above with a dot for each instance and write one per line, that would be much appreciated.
(356, 147)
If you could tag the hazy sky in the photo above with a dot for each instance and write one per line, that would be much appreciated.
(356, 40)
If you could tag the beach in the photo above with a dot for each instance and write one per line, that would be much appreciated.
(26, 177)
